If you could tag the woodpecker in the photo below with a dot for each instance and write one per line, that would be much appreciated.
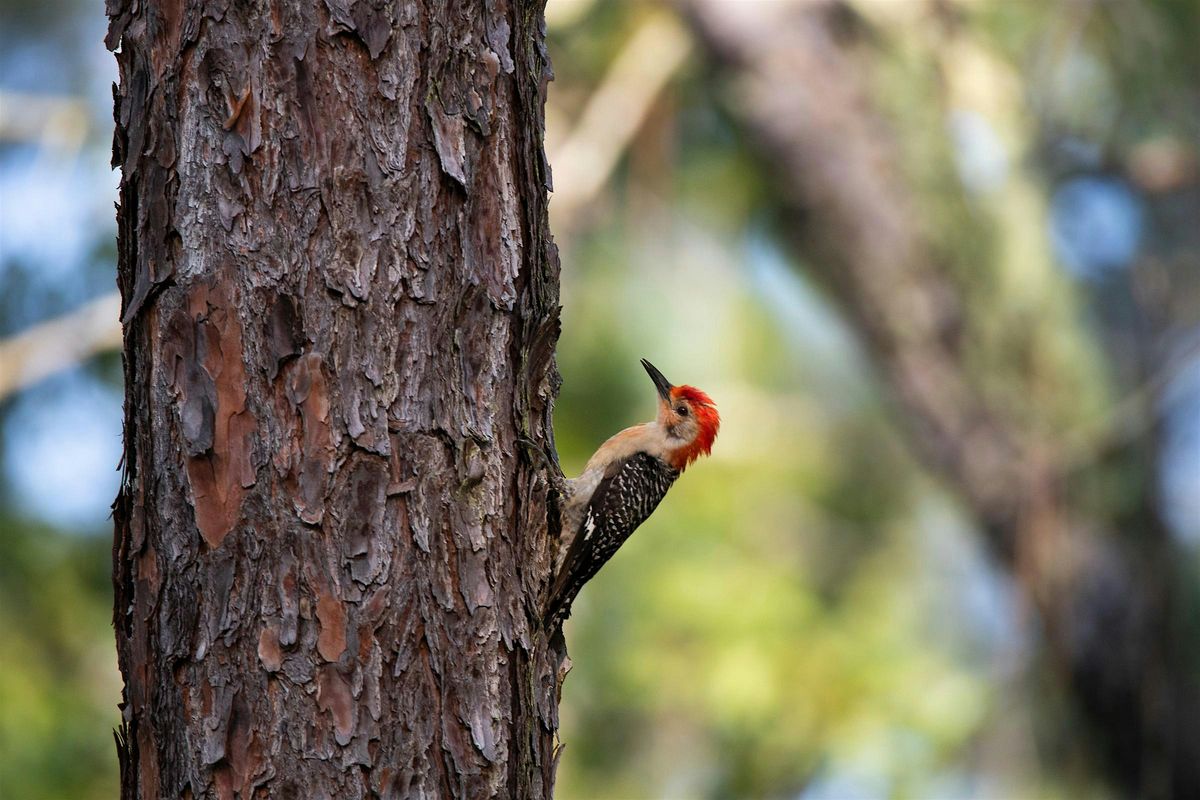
(623, 483)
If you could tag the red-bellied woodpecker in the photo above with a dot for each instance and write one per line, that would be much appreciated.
(623, 483)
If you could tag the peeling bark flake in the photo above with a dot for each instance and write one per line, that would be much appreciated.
(448, 138)
(332, 615)
(220, 473)
(269, 652)
(333, 697)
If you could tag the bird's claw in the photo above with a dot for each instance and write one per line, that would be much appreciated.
(549, 463)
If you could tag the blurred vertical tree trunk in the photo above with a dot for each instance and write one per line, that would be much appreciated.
(340, 305)
(1101, 575)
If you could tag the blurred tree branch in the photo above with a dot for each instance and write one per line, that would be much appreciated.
(807, 98)
(61, 122)
(615, 111)
(63, 342)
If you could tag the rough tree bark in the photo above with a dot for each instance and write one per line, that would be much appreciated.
(1103, 586)
(340, 305)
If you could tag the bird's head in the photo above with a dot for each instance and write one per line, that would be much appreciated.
(688, 416)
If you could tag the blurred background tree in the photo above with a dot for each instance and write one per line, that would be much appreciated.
(953, 516)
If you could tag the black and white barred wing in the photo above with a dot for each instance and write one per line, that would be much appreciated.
(622, 502)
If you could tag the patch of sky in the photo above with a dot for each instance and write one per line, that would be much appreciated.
(844, 781)
(55, 212)
(62, 445)
(810, 325)
(985, 614)
(1179, 464)
(1096, 225)
(978, 152)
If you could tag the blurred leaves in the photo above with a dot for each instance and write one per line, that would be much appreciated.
(764, 621)
(58, 670)
(809, 614)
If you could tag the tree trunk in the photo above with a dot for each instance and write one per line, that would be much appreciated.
(1111, 603)
(340, 306)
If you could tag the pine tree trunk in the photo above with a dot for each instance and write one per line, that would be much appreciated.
(340, 308)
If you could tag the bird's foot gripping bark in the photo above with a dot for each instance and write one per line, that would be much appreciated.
(549, 463)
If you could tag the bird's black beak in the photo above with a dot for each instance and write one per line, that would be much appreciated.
(660, 381)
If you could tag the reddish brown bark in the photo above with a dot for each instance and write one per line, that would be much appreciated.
(340, 306)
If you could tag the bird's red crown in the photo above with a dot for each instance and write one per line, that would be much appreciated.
(708, 420)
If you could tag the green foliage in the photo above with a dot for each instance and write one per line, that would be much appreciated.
(806, 604)
(58, 673)
(762, 623)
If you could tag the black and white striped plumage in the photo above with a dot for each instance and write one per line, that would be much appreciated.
(623, 482)
(628, 493)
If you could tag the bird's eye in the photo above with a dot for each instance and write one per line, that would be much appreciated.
(682, 411)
